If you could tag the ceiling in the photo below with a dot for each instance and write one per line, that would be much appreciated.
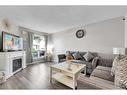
(51, 19)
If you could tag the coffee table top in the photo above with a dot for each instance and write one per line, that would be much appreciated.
(74, 68)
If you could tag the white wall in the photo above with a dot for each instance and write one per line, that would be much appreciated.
(125, 36)
(101, 37)
(13, 29)
(126, 31)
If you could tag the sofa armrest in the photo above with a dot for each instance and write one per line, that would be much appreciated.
(61, 57)
(94, 62)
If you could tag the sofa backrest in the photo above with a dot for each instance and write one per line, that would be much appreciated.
(105, 59)
(83, 53)
(107, 56)
(105, 62)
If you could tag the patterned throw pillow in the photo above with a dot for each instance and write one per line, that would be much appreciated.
(121, 74)
(88, 56)
(77, 56)
(115, 63)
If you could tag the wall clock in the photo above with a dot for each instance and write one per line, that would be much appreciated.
(80, 33)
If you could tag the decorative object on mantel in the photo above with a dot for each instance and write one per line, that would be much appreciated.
(80, 33)
(6, 24)
(69, 59)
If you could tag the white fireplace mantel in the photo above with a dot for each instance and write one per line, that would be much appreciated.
(6, 59)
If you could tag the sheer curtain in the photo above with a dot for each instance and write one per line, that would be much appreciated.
(30, 41)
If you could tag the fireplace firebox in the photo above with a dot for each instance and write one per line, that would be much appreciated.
(17, 64)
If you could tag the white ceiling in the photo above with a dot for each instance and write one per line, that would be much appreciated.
(52, 19)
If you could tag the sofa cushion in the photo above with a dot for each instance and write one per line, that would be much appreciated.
(103, 68)
(88, 64)
(98, 82)
(103, 72)
(105, 62)
(77, 56)
(82, 53)
(78, 61)
(88, 56)
(62, 60)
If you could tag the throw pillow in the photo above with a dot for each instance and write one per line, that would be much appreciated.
(114, 65)
(121, 74)
(77, 56)
(116, 62)
(88, 56)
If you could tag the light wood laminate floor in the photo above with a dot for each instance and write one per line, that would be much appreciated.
(37, 77)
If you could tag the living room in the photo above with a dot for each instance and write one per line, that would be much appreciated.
(63, 47)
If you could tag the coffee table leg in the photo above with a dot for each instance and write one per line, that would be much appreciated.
(85, 71)
(74, 83)
(50, 74)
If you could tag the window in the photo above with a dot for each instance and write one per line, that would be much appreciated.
(39, 48)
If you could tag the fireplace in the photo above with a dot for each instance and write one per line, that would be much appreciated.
(17, 64)
(12, 62)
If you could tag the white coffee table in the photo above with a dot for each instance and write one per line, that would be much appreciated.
(66, 76)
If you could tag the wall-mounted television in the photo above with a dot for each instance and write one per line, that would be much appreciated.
(11, 42)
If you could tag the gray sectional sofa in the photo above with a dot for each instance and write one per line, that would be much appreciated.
(90, 65)
(99, 69)
(101, 76)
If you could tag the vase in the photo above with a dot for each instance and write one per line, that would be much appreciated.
(69, 65)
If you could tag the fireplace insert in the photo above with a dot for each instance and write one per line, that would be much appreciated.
(17, 64)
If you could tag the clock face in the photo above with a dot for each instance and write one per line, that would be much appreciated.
(80, 33)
